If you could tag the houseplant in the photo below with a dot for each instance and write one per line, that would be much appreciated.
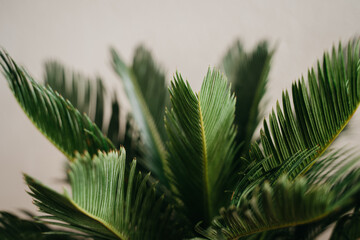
(209, 179)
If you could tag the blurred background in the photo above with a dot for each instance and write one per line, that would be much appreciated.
(188, 36)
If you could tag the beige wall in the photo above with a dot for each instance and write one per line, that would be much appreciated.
(184, 35)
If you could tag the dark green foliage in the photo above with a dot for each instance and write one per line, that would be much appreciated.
(153, 86)
(86, 94)
(335, 169)
(289, 185)
(15, 228)
(108, 201)
(55, 117)
(201, 145)
(89, 96)
(145, 87)
(248, 75)
(319, 114)
(287, 203)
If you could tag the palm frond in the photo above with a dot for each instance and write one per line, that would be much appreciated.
(144, 84)
(89, 96)
(153, 86)
(108, 201)
(201, 144)
(248, 74)
(317, 118)
(86, 94)
(130, 138)
(329, 169)
(254, 176)
(286, 203)
(68, 129)
(12, 227)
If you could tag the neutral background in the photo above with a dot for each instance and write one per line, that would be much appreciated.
(187, 36)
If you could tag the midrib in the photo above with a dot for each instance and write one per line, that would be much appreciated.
(336, 134)
(101, 221)
(206, 192)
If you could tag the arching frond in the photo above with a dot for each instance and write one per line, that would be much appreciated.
(286, 203)
(320, 112)
(201, 144)
(86, 94)
(329, 169)
(107, 202)
(145, 87)
(255, 176)
(68, 129)
(248, 74)
(153, 86)
(89, 96)
(13, 227)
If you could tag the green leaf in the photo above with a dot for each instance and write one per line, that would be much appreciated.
(286, 203)
(319, 113)
(330, 168)
(86, 94)
(201, 144)
(129, 138)
(248, 74)
(13, 227)
(144, 85)
(108, 201)
(68, 129)
(254, 176)
(89, 96)
(153, 86)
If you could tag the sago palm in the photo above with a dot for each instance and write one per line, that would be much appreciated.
(211, 176)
